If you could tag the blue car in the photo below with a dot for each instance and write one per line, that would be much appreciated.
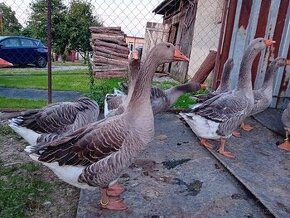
(20, 50)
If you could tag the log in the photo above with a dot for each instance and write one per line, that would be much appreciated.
(105, 50)
(205, 68)
(109, 74)
(116, 41)
(96, 29)
(106, 55)
(100, 59)
(107, 36)
(110, 45)
(109, 68)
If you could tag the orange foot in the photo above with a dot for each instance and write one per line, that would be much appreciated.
(115, 190)
(205, 143)
(237, 134)
(285, 145)
(246, 127)
(226, 153)
(113, 204)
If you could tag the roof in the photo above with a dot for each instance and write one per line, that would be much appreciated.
(166, 5)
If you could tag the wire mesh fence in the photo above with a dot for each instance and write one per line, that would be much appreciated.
(192, 25)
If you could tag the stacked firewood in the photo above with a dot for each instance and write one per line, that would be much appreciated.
(110, 52)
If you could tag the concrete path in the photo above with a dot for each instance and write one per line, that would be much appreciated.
(38, 94)
(177, 177)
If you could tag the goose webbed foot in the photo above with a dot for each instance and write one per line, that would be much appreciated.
(222, 151)
(237, 134)
(205, 143)
(246, 127)
(115, 190)
(285, 145)
(112, 203)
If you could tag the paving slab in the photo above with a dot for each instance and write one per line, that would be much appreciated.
(39, 94)
(176, 177)
(261, 166)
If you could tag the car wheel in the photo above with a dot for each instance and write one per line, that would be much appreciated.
(41, 62)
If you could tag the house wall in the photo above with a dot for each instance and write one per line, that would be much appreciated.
(206, 32)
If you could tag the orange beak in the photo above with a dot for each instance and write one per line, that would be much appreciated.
(203, 86)
(4, 63)
(178, 56)
(269, 42)
(288, 62)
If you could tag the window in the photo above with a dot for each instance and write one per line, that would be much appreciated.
(27, 43)
(12, 43)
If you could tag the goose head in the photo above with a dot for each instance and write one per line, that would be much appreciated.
(281, 62)
(165, 52)
(259, 44)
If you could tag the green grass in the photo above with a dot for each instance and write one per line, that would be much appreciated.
(66, 80)
(69, 63)
(21, 103)
(20, 191)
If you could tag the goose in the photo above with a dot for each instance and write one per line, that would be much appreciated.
(161, 100)
(94, 156)
(115, 103)
(286, 123)
(224, 86)
(219, 116)
(263, 96)
(55, 120)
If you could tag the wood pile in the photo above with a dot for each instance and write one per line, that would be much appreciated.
(110, 52)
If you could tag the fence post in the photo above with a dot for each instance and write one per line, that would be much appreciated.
(49, 95)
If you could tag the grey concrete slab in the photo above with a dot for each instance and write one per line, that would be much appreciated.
(39, 94)
(271, 118)
(176, 177)
(261, 166)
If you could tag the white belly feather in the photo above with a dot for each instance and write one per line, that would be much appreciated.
(68, 174)
(201, 126)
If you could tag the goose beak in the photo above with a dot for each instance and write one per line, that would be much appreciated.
(4, 63)
(288, 62)
(203, 86)
(269, 42)
(178, 56)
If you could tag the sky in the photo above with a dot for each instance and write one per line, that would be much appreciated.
(131, 15)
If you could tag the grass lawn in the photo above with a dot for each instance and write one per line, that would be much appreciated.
(21, 103)
(64, 80)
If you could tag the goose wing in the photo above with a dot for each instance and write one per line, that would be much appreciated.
(54, 118)
(223, 107)
(85, 146)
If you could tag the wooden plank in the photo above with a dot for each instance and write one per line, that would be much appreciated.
(205, 68)
(107, 51)
(99, 43)
(100, 59)
(97, 29)
(107, 36)
(112, 40)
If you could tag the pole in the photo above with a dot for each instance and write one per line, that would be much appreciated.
(49, 95)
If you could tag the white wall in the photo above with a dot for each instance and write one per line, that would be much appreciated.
(206, 32)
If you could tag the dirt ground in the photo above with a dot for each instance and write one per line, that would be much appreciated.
(60, 200)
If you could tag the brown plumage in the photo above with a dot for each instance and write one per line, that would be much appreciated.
(55, 120)
(97, 154)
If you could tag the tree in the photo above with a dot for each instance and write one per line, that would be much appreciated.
(80, 17)
(9, 24)
(37, 24)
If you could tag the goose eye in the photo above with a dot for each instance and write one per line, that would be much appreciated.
(168, 46)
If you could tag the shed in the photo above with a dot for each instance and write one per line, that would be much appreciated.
(245, 20)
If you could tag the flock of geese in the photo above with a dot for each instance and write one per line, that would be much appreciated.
(67, 138)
